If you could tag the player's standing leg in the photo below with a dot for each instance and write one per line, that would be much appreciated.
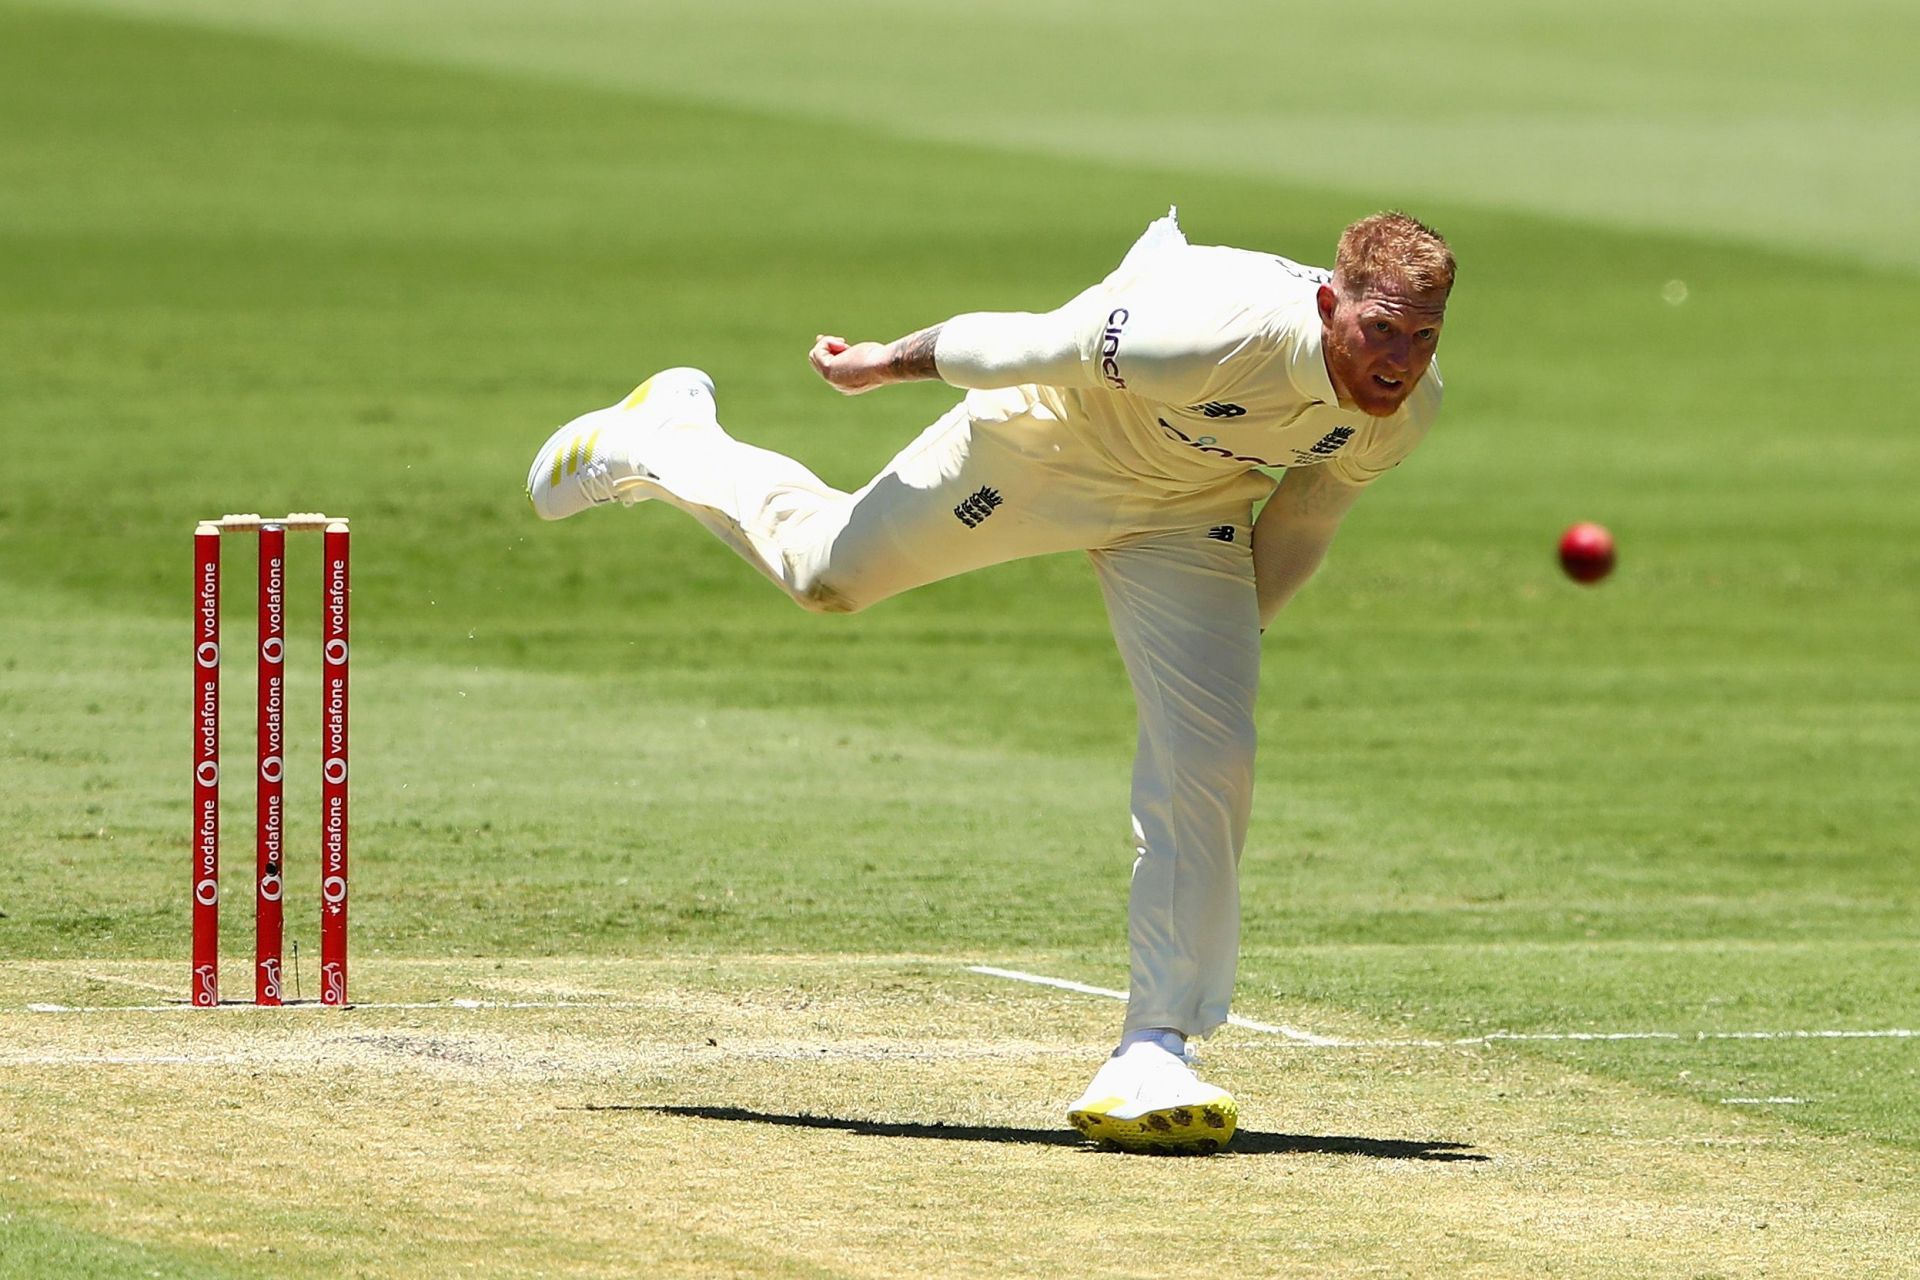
(1185, 616)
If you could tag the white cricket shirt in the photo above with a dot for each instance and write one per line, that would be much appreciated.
(1186, 366)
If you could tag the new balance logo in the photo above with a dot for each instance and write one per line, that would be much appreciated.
(1221, 533)
(1331, 442)
(978, 507)
(1215, 409)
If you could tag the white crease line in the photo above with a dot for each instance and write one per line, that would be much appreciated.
(1889, 1033)
(1307, 1038)
(120, 1060)
(1066, 984)
(181, 1006)
(142, 983)
(1765, 1102)
(1894, 1033)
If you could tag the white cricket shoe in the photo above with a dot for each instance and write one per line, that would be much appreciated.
(1147, 1098)
(595, 459)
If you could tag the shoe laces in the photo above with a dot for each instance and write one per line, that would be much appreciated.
(595, 483)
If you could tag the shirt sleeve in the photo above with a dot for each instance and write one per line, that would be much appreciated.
(986, 350)
(1171, 336)
(1168, 335)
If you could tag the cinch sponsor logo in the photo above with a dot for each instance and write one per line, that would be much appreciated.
(1207, 444)
(1110, 348)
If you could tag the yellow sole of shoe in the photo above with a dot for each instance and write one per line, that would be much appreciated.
(1171, 1131)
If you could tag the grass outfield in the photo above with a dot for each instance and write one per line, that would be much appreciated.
(339, 261)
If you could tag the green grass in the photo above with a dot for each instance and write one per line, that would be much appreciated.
(365, 261)
(1762, 126)
(33, 1247)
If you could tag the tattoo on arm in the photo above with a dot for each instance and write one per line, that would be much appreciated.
(911, 358)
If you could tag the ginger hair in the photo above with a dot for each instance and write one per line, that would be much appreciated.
(1395, 248)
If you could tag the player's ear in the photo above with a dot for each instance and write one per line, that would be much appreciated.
(1328, 301)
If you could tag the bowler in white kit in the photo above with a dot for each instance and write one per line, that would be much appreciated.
(1136, 423)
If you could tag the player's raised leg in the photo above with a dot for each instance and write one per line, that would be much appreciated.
(961, 496)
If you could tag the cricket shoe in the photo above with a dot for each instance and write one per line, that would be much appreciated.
(1146, 1098)
(596, 458)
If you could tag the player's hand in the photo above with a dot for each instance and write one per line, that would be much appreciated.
(849, 368)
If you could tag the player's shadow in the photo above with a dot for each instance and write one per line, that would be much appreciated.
(1245, 1143)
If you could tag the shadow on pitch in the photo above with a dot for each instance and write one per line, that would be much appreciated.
(1245, 1143)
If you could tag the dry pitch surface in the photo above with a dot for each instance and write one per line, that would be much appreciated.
(880, 1116)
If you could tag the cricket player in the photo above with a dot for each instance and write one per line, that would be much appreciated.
(1136, 423)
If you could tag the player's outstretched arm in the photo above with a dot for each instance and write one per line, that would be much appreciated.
(979, 350)
(1294, 530)
(851, 368)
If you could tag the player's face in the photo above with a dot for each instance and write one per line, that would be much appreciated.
(1378, 346)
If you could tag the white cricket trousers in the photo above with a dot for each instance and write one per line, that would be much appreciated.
(996, 479)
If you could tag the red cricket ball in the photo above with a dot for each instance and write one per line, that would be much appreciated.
(1586, 552)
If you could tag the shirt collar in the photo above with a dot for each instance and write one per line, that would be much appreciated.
(1308, 369)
